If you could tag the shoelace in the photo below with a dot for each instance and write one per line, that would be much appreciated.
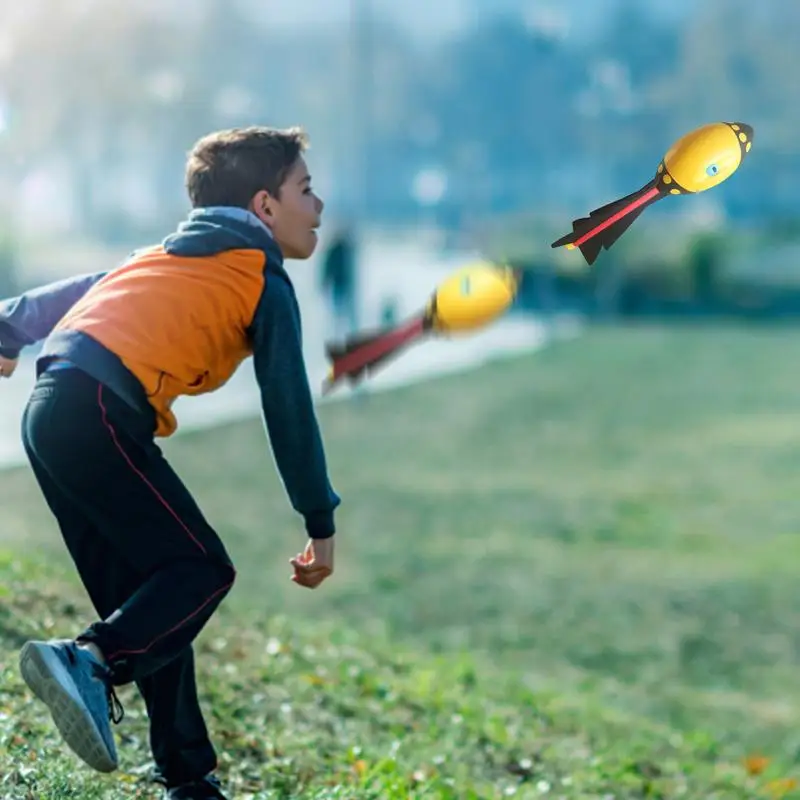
(116, 712)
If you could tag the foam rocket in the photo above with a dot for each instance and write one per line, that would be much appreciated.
(695, 163)
(470, 298)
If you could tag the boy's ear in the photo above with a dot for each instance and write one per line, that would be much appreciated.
(261, 205)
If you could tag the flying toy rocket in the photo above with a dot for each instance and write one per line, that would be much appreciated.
(698, 161)
(470, 298)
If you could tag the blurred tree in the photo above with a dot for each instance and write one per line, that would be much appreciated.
(118, 93)
(509, 111)
(734, 62)
(499, 98)
(634, 52)
(705, 260)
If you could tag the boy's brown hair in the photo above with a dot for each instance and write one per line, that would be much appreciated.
(227, 168)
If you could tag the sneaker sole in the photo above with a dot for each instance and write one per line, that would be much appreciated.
(53, 685)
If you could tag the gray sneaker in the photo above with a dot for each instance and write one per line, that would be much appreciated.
(77, 688)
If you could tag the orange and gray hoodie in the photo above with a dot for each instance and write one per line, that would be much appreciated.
(178, 319)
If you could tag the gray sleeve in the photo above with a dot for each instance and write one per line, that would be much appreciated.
(29, 318)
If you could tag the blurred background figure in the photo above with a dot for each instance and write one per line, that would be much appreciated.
(339, 281)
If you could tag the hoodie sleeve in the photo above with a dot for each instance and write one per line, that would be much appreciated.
(29, 318)
(288, 407)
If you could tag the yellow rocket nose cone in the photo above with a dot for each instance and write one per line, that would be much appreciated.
(708, 155)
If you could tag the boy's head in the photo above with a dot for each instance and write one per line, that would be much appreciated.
(263, 170)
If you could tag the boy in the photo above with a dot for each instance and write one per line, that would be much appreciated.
(119, 347)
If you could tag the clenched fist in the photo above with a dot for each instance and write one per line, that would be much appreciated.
(314, 564)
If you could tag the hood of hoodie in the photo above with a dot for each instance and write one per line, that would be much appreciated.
(208, 231)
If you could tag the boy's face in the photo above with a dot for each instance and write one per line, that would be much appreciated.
(295, 217)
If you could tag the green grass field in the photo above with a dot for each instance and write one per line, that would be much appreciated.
(572, 575)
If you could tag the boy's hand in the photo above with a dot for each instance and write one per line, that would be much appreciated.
(7, 366)
(314, 564)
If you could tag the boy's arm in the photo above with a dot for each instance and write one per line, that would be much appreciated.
(288, 408)
(29, 318)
